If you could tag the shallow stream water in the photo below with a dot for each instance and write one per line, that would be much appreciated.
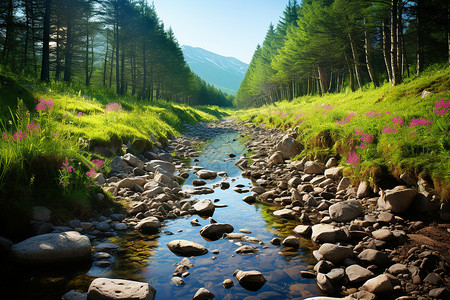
(147, 258)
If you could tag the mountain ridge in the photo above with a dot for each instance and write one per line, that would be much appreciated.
(225, 73)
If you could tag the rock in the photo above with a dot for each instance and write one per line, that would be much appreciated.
(440, 293)
(398, 200)
(302, 230)
(204, 207)
(215, 231)
(433, 279)
(227, 283)
(154, 165)
(374, 257)
(343, 184)
(336, 274)
(291, 241)
(250, 280)
(285, 213)
(246, 249)
(206, 174)
(129, 183)
(198, 182)
(242, 237)
(186, 248)
(326, 233)
(224, 185)
(332, 162)
(308, 274)
(398, 269)
(335, 253)
(120, 226)
(203, 294)
(383, 235)
(53, 248)
(289, 147)
(334, 173)
(178, 281)
(249, 199)
(41, 214)
(74, 295)
(364, 189)
(133, 160)
(378, 285)
(386, 217)
(312, 167)
(105, 289)
(149, 225)
(325, 284)
(345, 211)
(276, 158)
(168, 181)
(364, 295)
(357, 274)
(426, 202)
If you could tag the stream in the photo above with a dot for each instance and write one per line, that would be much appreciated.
(146, 257)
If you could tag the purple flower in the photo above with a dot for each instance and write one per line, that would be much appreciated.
(347, 119)
(398, 120)
(353, 158)
(44, 105)
(389, 129)
(440, 107)
(98, 162)
(91, 173)
(79, 114)
(419, 122)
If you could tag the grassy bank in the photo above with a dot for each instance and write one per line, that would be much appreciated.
(57, 137)
(376, 133)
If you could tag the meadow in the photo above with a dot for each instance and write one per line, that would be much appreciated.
(377, 134)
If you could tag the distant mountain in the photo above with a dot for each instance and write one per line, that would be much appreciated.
(225, 73)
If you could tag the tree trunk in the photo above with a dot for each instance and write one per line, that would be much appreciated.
(396, 78)
(69, 54)
(58, 68)
(105, 62)
(87, 55)
(45, 70)
(399, 39)
(370, 69)
(386, 51)
(27, 35)
(9, 29)
(116, 8)
(350, 73)
(355, 60)
(419, 54)
(324, 78)
(122, 74)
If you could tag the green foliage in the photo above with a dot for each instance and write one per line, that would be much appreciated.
(326, 130)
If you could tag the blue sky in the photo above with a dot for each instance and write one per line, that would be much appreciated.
(226, 27)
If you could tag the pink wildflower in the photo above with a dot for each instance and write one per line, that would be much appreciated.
(347, 119)
(67, 167)
(98, 162)
(79, 114)
(283, 115)
(358, 131)
(398, 120)
(413, 133)
(362, 146)
(440, 107)
(44, 105)
(368, 138)
(113, 107)
(301, 121)
(389, 130)
(353, 158)
(4, 136)
(91, 173)
(372, 113)
(419, 122)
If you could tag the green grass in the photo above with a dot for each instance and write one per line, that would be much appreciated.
(79, 128)
(423, 149)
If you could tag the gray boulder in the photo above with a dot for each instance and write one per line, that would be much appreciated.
(334, 173)
(289, 147)
(215, 231)
(186, 248)
(41, 214)
(206, 174)
(204, 207)
(312, 167)
(398, 200)
(149, 225)
(154, 165)
(203, 294)
(345, 211)
(115, 289)
(335, 253)
(53, 248)
(364, 189)
(250, 280)
(374, 257)
(378, 285)
(357, 274)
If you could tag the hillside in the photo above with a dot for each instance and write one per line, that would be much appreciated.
(225, 73)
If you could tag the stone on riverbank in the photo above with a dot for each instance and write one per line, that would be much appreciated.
(149, 225)
(398, 200)
(203, 294)
(114, 289)
(289, 147)
(186, 248)
(345, 211)
(378, 285)
(335, 253)
(206, 174)
(53, 248)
